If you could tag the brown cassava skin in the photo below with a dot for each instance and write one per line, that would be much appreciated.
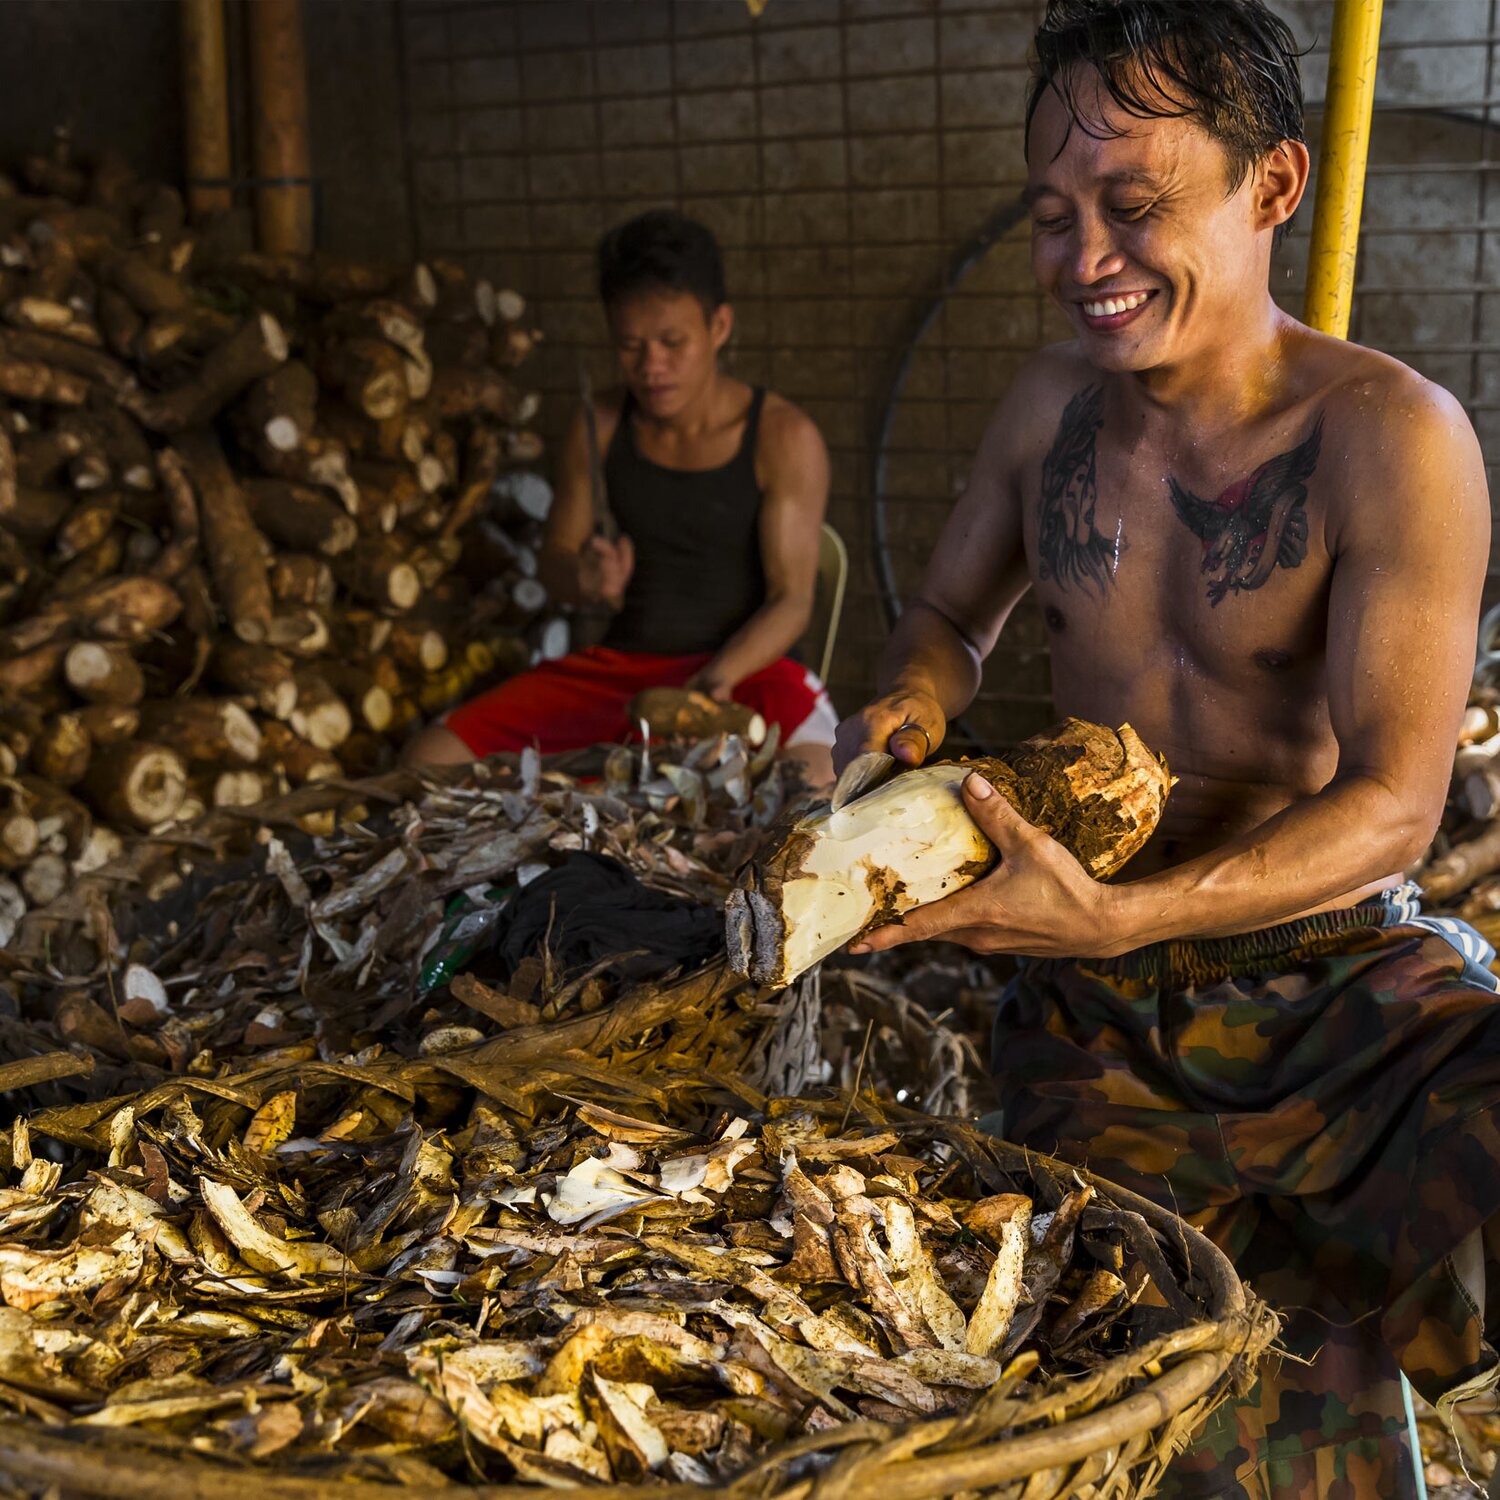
(123, 609)
(379, 570)
(283, 749)
(39, 456)
(110, 723)
(46, 800)
(71, 367)
(1067, 783)
(368, 372)
(61, 754)
(233, 547)
(289, 392)
(28, 670)
(103, 674)
(300, 516)
(199, 729)
(89, 569)
(258, 672)
(115, 773)
(256, 348)
(182, 506)
(301, 578)
(34, 514)
(482, 465)
(459, 393)
(678, 712)
(28, 381)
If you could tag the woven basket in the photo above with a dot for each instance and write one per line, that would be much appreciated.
(1109, 1432)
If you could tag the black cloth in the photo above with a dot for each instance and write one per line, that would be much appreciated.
(698, 574)
(591, 908)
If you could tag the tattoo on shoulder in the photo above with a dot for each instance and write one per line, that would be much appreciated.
(1070, 547)
(1258, 524)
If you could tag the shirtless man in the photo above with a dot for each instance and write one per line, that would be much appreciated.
(719, 491)
(1264, 549)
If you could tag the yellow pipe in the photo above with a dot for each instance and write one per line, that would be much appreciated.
(1341, 165)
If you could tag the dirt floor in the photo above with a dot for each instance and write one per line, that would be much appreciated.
(1478, 1427)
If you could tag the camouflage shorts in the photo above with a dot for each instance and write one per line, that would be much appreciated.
(1321, 1099)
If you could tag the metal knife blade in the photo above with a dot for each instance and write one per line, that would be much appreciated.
(863, 774)
(604, 521)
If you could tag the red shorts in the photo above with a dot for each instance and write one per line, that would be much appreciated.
(580, 700)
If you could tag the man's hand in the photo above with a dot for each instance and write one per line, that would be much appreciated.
(1037, 901)
(604, 568)
(897, 724)
(712, 681)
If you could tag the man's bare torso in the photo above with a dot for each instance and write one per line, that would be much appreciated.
(1185, 582)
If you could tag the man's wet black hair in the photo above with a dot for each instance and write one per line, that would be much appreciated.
(661, 251)
(1229, 64)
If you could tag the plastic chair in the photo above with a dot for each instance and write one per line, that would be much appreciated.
(833, 575)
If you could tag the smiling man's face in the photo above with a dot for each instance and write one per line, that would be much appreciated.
(1135, 234)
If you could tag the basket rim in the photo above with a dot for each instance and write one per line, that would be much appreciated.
(1209, 1262)
(30, 1451)
(77, 1458)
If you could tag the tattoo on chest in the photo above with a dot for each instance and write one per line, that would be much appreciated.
(1258, 524)
(1070, 547)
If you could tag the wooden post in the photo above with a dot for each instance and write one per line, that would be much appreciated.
(205, 105)
(283, 161)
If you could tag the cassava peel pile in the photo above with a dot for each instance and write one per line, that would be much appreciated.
(327, 1214)
(340, 945)
(605, 1277)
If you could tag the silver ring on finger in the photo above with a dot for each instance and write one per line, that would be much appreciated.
(926, 738)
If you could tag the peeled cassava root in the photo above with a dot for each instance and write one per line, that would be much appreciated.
(206, 459)
(1099, 792)
(676, 713)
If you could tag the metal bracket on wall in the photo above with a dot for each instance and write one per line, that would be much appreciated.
(237, 185)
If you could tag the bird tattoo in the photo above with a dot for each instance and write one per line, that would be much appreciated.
(1258, 524)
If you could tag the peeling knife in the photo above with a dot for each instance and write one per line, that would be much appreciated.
(604, 521)
(863, 774)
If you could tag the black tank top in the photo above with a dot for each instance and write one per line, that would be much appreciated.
(698, 569)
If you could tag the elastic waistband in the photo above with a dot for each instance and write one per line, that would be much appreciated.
(1186, 962)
